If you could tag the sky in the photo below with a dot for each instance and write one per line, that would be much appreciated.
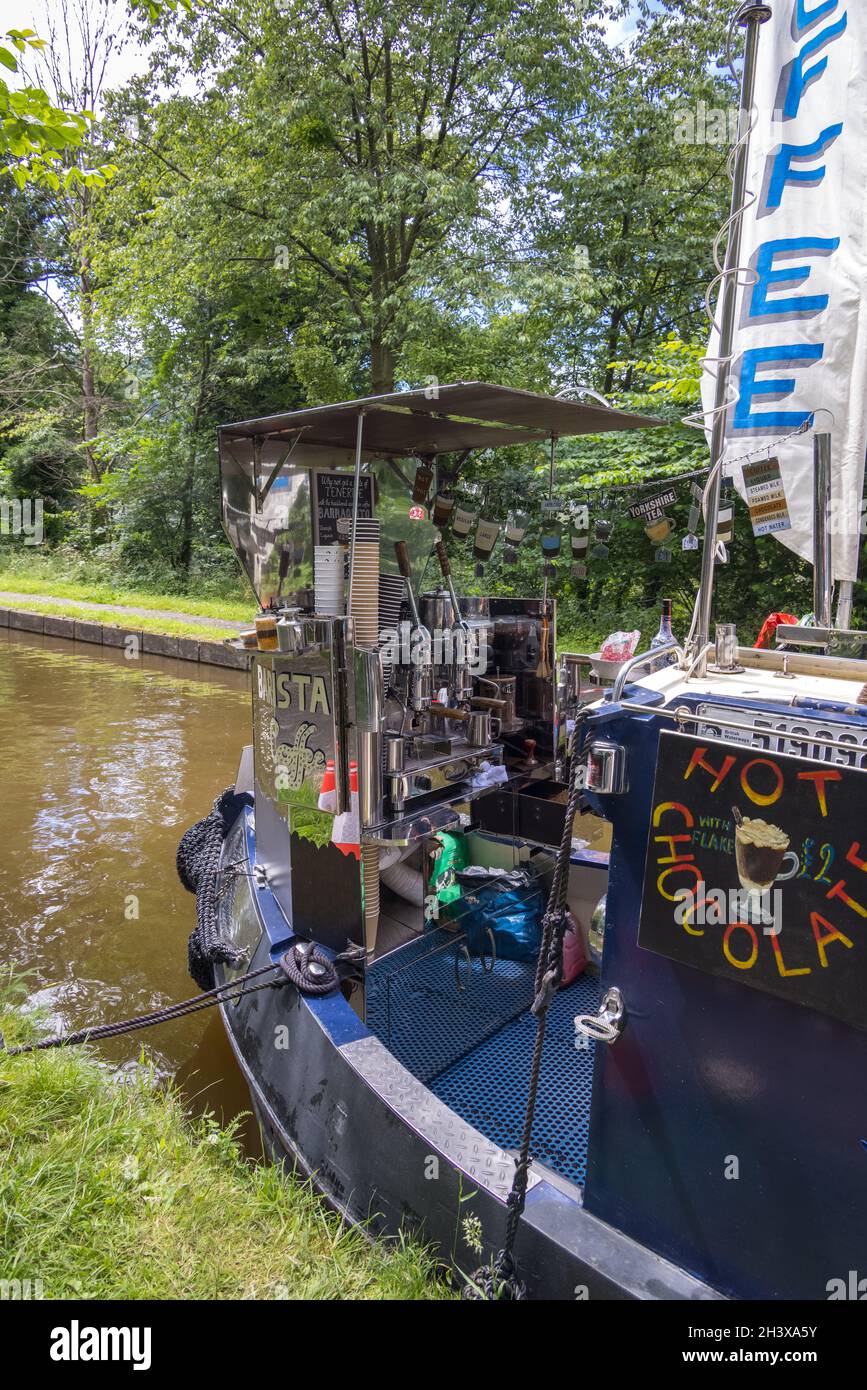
(128, 58)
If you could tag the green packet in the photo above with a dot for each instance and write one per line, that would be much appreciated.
(451, 858)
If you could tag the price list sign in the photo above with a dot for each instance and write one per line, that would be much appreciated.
(766, 497)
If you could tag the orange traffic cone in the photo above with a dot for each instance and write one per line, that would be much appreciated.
(346, 833)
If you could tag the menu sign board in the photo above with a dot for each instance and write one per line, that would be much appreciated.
(333, 493)
(766, 497)
(756, 871)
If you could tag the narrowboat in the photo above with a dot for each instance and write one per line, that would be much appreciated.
(572, 976)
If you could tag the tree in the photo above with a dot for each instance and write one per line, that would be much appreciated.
(33, 132)
(36, 134)
(639, 180)
(371, 148)
(37, 371)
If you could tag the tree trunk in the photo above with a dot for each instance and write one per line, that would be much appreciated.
(88, 371)
(381, 367)
(185, 551)
(90, 402)
(613, 339)
(91, 413)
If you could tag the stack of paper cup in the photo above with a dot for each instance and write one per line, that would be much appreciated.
(370, 894)
(364, 584)
(328, 579)
(392, 592)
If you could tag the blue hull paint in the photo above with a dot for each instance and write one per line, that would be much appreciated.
(709, 1071)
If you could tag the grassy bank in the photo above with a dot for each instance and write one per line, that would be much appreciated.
(110, 617)
(49, 576)
(46, 578)
(108, 1191)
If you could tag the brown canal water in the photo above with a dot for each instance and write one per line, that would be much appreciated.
(104, 762)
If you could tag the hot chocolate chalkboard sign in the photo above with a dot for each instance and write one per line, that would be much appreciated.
(756, 871)
(333, 493)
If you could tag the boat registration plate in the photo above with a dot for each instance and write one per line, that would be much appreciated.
(785, 734)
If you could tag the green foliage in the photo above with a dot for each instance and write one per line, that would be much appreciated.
(354, 195)
(672, 368)
(155, 9)
(644, 205)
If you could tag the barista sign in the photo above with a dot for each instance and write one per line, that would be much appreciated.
(292, 727)
(734, 830)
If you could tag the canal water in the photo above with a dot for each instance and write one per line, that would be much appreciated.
(104, 762)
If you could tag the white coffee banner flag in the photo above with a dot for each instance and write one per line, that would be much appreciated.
(801, 328)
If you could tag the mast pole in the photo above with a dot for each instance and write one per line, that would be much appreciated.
(751, 16)
(821, 529)
(845, 596)
(844, 605)
(552, 464)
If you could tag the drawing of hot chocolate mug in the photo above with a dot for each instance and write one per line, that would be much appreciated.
(784, 875)
(760, 864)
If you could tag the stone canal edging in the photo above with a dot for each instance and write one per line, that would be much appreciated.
(106, 635)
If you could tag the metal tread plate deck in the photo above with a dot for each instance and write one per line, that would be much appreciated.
(468, 1150)
(473, 1047)
(489, 1086)
(430, 1002)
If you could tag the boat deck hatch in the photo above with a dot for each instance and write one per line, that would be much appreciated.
(462, 1026)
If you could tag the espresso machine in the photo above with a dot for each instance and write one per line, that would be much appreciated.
(368, 740)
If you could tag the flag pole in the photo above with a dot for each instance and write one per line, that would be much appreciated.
(752, 15)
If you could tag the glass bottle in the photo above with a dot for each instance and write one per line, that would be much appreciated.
(665, 635)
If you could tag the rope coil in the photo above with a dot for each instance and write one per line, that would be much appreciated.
(198, 864)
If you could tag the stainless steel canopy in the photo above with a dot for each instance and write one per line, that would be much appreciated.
(268, 466)
(444, 419)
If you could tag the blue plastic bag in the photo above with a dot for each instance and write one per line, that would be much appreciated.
(511, 917)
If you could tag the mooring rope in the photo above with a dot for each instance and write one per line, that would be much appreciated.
(304, 964)
(222, 994)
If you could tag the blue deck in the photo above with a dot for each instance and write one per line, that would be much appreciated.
(473, 1046)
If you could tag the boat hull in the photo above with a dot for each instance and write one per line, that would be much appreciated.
(391, 1157)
